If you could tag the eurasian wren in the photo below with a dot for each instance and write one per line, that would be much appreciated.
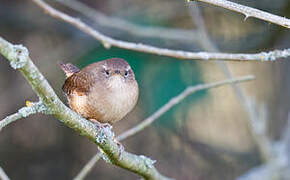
(104, 91)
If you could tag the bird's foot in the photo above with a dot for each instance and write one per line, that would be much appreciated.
(101, 125)
(121, 148)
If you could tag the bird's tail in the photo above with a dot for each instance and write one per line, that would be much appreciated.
(68, 68)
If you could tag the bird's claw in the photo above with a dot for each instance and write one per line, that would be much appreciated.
(101, 125)
(121, 148)
(107, 125)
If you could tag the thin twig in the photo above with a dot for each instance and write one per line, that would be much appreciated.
(285, 138)
(249, 12)
(170, 104)
(278, 166)
(206, 43)
(129, 27)
(23, 112)
(3, 175)
(108, 42)
(175, 100)
(88, 167)
(10, 119)
(102, 137)
(261, 140)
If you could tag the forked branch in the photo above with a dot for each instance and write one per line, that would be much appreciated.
(31, 108)
(104, 138)
(170, 104)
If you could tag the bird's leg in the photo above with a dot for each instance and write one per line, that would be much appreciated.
(107, 125)
(101, 125)
(121, 147)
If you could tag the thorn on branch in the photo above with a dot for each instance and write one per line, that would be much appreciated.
(106, 45)
(249, 11)
(180, 54)
(246, 16)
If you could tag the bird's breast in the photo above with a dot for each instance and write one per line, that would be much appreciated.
(123, 99)
(115, 101)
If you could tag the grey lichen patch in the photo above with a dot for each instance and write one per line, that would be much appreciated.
(104, 134)
(26, 111)
(148, 162)
(38, 107)
(18, 57)
(273, 55)
(41, 108)
(34, 74)
(101, 136)
(109, 132)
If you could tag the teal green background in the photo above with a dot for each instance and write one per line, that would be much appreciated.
(159, 79)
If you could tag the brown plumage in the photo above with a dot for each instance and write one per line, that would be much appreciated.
(104, 91)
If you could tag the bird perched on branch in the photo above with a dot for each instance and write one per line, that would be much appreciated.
(103, 92)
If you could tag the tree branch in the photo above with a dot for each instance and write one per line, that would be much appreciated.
(261, 139)
(108, 42)
(3, 175)
(104, 137)
(177, 99)
(274, 154)
(129, 27)
(24, 112)
(88, 167)
(278, 166)
(170, 104)
(249, 12)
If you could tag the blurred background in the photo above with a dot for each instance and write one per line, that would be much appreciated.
(205, 137)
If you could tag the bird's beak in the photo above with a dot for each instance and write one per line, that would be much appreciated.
(116, 80)
(116, 73)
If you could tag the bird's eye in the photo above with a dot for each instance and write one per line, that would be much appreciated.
(126, 73)
(107, 73)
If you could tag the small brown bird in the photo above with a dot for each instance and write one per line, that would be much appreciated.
(101, 92)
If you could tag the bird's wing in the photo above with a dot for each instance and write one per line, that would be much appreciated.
(79, 83)
(68, 68)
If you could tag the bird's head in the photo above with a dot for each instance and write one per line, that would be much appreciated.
(115, 72)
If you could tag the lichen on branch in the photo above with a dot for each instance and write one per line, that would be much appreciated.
(23, 112)
(139, 47)
(19, 58)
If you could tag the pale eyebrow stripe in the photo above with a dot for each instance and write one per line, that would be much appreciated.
(128, 68)
(105, 67)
